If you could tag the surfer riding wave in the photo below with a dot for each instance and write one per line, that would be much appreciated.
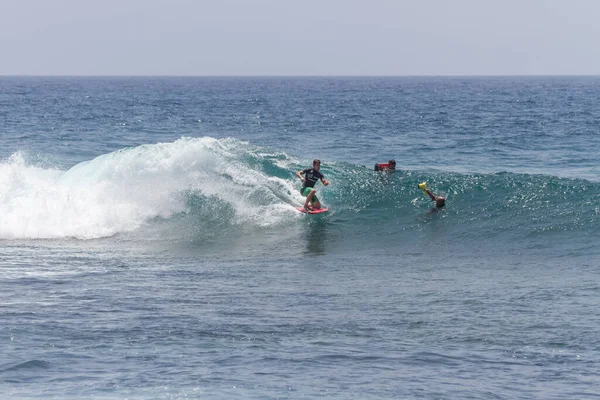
(311, 176)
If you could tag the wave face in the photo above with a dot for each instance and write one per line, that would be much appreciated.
(201, 183)
(202, 188)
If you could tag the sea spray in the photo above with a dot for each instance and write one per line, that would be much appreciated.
(121, 191)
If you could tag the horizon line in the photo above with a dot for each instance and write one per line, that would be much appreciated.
(289, 76)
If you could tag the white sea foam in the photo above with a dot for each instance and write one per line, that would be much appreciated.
(121, 191)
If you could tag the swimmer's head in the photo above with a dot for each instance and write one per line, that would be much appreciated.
(440, 201)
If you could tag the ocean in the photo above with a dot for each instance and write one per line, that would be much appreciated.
(150, 247)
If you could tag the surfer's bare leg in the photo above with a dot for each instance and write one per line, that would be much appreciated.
(309, 198)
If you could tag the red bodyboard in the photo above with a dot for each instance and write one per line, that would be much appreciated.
(313, 210)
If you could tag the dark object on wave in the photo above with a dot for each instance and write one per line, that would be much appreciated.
(388, 166)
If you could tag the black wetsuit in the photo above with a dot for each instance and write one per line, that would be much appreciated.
(311, 177)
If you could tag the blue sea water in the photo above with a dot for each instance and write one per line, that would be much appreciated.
(150, 249)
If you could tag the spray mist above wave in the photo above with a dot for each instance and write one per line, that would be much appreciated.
(124, 190)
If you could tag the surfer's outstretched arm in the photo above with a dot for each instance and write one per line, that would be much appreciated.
(430, 194)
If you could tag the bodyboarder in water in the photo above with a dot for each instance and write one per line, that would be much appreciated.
(440, 201)
(390, 166)
(311, 176)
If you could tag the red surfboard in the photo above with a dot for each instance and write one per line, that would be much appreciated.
(313, 210)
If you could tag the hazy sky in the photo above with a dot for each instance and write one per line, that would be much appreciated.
(308, 37)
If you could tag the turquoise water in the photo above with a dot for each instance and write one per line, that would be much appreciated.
(149, 245)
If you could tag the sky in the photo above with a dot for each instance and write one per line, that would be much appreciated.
(308, 37)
